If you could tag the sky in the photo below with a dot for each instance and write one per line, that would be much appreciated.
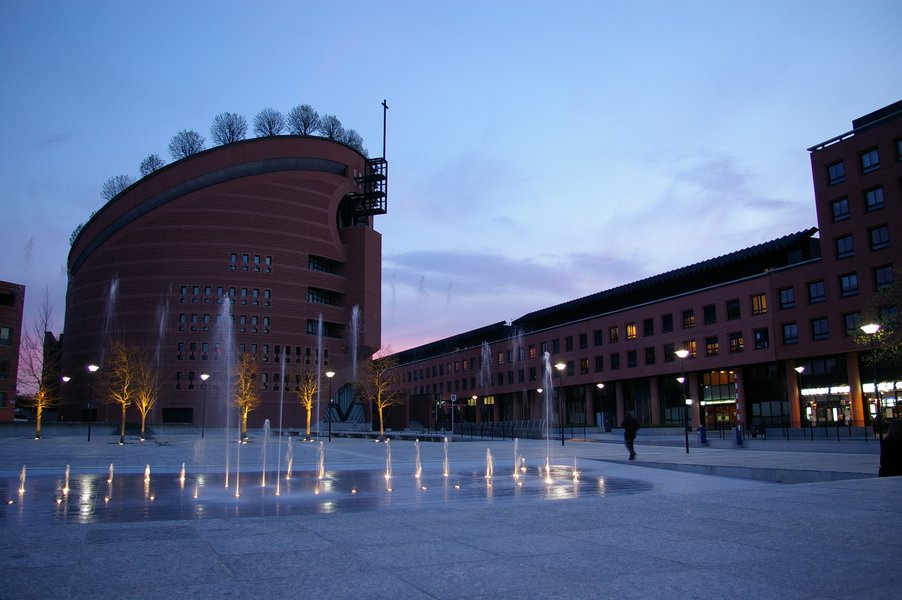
(538, 151)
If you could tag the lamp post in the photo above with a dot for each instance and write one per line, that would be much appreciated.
(799, 370)
(93, 369)
(203, 423)
(560, 366)
(600, 387)
(871, 330)
(681, 354)
(330, 375)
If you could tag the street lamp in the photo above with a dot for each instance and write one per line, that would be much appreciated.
(330, 375)
(93, 369)
(871, 330)
(600, 387)
(560, 366)
(203, 423)
(681, 354)
(799, 370)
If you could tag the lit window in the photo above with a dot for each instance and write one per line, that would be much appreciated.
(613, 334)
(762, 339)
(712, 346)
(736, 342)
(688, 319)
(690, 346)
(630, 331)
(759, 304)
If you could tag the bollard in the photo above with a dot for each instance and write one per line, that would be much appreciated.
(702, 435)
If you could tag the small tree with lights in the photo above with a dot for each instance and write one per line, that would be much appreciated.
(379, 383)
(146, 389)
(306, 390)
(246, 396)
(120, 380)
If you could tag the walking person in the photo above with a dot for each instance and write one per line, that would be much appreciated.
(630, 427)
(891, 451)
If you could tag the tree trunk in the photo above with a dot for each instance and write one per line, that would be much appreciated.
(243, 425)
(309, 417)
(143, 420)
(38, 413)
(381, 425)
(122, 428)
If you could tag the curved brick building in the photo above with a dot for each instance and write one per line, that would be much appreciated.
(278, 231)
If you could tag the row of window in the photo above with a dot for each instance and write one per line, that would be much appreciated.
(246, 296)
(189, 380)
(260, 264)
(868, 162)
(883, 277)
(874, 199)
(202, 351)
(208, 322)
(845, 244)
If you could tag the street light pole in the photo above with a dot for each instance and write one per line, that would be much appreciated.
(330, 375)
(93, 369)
(681, 354)
(871, 330)
(799, 370)
(203, 423)
(560, 366)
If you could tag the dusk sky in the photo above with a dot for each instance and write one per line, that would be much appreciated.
(538, 151)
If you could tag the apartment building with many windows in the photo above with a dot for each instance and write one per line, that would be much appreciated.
(772, 331)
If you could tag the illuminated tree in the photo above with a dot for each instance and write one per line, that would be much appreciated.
(120, 380)
(306, 391)
(883, 309)
(246, 396)
(40, 368)
(379, 384)
(146, 389)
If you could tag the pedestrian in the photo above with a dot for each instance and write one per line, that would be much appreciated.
(630, 427)
(891, 450)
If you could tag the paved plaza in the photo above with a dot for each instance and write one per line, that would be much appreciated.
(668, 525)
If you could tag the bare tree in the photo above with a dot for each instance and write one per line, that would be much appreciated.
(354, 140)
(40, 368)
(380, 384)
(113, 186)
(246, 396)
(185, 143)
(228, 127)
(331, 127)
(306, 392)
(146, 388)
(150, 164)
(120, 380)
(269, 122)
(303, 120)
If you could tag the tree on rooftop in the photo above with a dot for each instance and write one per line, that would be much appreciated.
(332, 128)
(228, 128)
(113, 186)
(150, 164)
(354, 140)
(185, 143)
(303, 120)
(269, 122)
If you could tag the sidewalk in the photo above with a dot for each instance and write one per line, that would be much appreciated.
(624, 531)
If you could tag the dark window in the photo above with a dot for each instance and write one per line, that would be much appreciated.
(648, 327)
(583, 366)
(631, 360)
(762, 339)
(555, 346)
(615, 361)
(613, 334)
(879, 237)
(870, 161)
(597, 337)
(873, 199)
(848, 284)
(583, 341)
(851, 323)
(733, 310)
(836, 173)
(845, 247)
(669, 356)
(790, 333)
(650, 356)
(840, 209)
(599, 364)
(816, 292)
(819, 329)
(883, 277)
(787, 297)
(666, 323)
(710, 314)
(568, 343)
(736, 342)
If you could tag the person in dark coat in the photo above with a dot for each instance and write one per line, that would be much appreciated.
(891, 451)
(630, 427)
